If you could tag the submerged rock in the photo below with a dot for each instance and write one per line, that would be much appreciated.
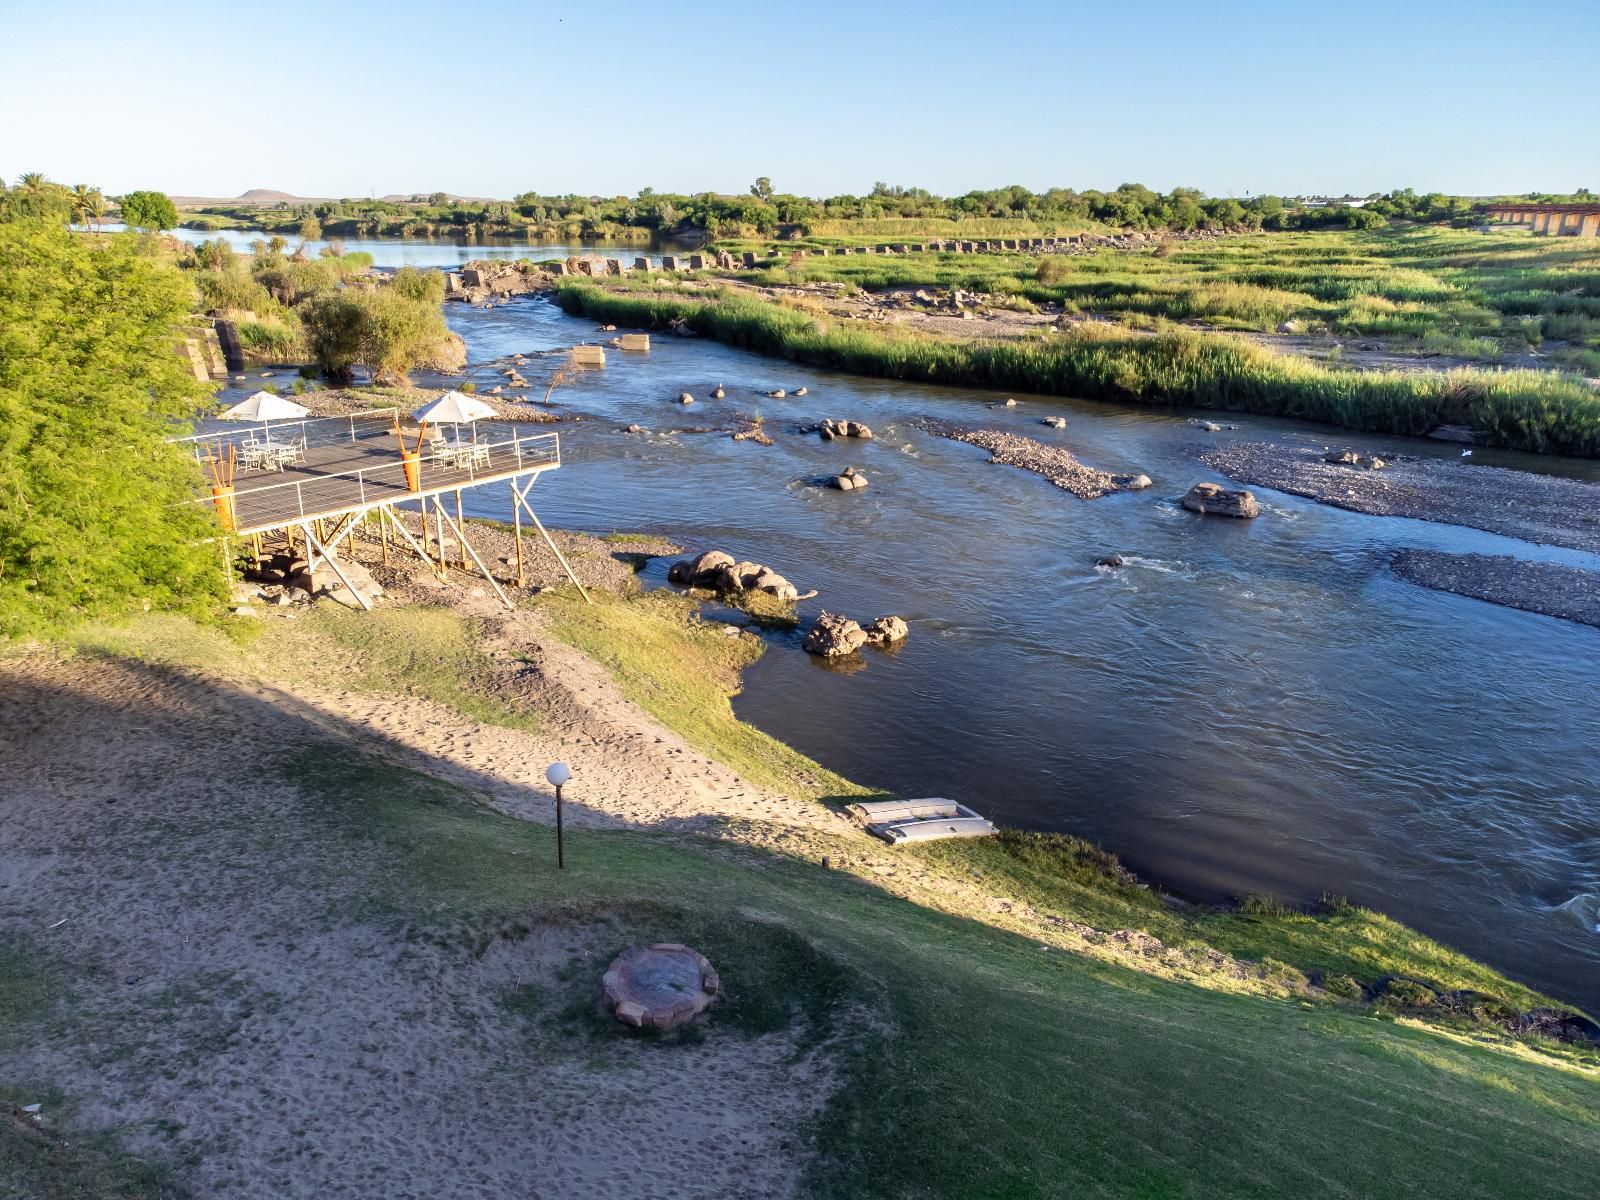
(849, 480)
(1214, 499)
(1109, 560)
(1054, 422)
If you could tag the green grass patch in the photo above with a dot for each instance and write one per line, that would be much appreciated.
(431, 653)
(683, 671)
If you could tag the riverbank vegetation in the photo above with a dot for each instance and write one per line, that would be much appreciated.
(97, 512)
(326, 310)
(1527, 410)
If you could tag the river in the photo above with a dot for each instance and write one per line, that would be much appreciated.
(1245, 707)
(422, 252)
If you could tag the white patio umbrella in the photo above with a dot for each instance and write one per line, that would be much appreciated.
(264, 406)
(454, 408)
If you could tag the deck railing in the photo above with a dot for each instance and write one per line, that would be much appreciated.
(259, 506)
(308, 431)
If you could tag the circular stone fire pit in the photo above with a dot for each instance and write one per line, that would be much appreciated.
(661, 985)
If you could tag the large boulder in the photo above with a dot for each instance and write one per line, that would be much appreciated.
(773, 584)
(834, 636)
(699, 571)
(1215, 500)
(849, 480)
(719, 572)
(886, 631)
(737, 577)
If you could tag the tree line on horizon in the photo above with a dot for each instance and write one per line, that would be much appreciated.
(764, 212)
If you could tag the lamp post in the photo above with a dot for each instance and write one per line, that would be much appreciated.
(558, 773)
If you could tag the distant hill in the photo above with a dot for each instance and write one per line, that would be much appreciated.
(266, 196)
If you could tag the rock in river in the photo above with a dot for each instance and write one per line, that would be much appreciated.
(1214, 499)
(719, 572)
(887, 631)
(850, 480)
(834, 636)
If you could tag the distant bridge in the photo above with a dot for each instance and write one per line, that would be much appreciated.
(1571, 220)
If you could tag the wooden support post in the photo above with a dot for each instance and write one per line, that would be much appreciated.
(468, 548)
(438, 525)
(405, 536)
(312, 547)
(461, 522)
(522, 499)
(383, 535)
(516, 526)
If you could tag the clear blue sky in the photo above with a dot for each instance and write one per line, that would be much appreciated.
(484, 97)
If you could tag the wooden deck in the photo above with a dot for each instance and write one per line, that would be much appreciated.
(357, 473)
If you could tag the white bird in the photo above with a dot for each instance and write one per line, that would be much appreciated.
(1466, 454)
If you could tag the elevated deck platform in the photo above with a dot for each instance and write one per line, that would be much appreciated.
(330, 474)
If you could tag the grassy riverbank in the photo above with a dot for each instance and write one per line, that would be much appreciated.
(1525, 410)
(1163, 1053)
(1432, 291)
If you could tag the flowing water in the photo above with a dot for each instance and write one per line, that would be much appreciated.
(1245, 707)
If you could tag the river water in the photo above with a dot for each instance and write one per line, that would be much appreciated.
(1245, 707)
(447, 253)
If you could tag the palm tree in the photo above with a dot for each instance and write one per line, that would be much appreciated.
(33, 183)
(83, 199)
(96, 207)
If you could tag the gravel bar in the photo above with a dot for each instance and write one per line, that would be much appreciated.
(1535, 508)
(1570, 593)
(1056, 464)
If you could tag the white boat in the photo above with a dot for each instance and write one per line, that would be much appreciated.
(927, 820)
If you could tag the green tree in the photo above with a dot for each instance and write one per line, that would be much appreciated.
(96, 507)
(389, 331)
(87, 204)
(310, 229)
(36, 197)
(761, 189)
(152, 211)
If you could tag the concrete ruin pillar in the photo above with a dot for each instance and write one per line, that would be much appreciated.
(1589, 226)
(613, 266)
(669, 262)
(642, 264)
(749, 258)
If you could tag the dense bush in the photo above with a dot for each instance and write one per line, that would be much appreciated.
(96, 507)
